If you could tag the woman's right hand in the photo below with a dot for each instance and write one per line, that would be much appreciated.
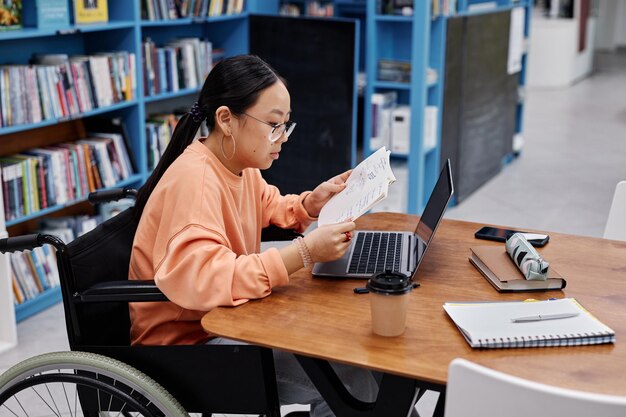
(329, 243)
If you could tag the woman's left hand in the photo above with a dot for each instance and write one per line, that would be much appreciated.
(314, 202)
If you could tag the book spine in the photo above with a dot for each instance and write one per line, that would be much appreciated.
(41, 183)
(52, 91)
(5, 193)
(49, 175)
(8, 201)
(26, 196)
(88, 168)
(34, 182)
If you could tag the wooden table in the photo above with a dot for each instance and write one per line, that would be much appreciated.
(324, 319)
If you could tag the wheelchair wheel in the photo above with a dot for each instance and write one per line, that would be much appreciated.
(77, 384)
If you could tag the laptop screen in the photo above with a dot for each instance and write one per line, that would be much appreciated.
(434, 210)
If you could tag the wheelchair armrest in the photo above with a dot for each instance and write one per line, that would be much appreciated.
(111, 194)
(274, 233)
(122, 291)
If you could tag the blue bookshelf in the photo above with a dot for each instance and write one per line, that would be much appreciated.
(124, 31)
(420, 39)
(46, 299)
(402, 38)
(171, 95)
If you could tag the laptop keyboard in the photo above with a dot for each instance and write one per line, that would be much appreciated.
(376, 252)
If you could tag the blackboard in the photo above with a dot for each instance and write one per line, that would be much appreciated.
(317, 58)
(480, 99)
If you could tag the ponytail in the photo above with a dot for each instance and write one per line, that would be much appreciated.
(234, 82)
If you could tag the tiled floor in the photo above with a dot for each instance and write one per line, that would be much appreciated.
(574, 155)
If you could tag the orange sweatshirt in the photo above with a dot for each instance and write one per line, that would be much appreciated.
(199, 238)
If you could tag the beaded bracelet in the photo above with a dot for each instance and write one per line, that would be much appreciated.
(303, 250)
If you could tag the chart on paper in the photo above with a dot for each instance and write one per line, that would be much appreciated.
(367, 185)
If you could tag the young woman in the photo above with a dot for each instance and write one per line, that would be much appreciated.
(202, 211)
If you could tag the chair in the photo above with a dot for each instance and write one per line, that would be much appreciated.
(474, 390)
(203, 379)
(616, 223)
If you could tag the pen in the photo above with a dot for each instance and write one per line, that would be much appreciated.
(540, 317)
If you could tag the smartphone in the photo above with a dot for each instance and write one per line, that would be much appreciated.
(500, 235)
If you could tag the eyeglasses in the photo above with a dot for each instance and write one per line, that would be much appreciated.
(277, 129)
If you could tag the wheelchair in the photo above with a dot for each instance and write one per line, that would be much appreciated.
(103, 375)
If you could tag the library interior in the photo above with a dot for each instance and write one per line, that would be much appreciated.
(517, 306)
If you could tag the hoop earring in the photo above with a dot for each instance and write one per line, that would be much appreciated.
(234, 147)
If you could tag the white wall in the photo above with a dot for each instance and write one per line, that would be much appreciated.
(611, 25)
(620, 25)
(554, 60)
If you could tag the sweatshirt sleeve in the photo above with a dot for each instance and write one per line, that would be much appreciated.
(286, 211)
(199, 271)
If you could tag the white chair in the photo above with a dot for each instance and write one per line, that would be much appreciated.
(616, 223)
(474, 390)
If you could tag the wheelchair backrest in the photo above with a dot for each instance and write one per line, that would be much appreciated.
(101, 255)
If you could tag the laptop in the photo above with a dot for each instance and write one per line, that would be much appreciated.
(373, 252)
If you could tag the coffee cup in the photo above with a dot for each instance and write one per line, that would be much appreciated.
(389, 300)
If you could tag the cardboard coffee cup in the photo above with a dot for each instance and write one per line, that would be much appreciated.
(389, 300)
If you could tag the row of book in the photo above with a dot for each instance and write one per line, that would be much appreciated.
(33, 272)
(444, 7)
(43, 177)
(159, 130)
(395, 7)
(395, 70)
(57, 86)
(178, 9)
(313, 8)
(405, 7)
(52, 13)
(181, 64)
(67, 228)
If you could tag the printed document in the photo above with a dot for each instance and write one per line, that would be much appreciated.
(367, 185)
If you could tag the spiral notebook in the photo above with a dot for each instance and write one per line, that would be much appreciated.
(528, 324)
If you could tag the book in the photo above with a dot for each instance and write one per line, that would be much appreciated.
(519, 324)
(498, 268)
(367, 185)
(394, 71)
(382, 107)
(10, 14)
(52, 14)
(90, 11)
(17, 290)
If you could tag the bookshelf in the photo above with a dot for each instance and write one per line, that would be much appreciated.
(124, 31)
(419, 39)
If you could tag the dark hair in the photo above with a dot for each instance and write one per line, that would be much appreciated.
(234, 82)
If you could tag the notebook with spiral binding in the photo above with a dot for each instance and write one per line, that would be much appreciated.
(561, 322)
